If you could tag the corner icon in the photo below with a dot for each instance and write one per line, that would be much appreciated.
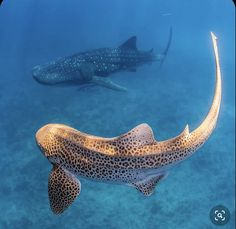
(219, 215)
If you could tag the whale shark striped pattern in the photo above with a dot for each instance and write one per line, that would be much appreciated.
(135, 158)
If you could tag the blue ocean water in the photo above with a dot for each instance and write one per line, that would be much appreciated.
(167, 98)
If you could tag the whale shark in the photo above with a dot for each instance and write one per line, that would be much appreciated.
(93, 67)
(135, 158)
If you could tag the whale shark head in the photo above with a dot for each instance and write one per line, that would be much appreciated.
(49, 73)
(44, 74)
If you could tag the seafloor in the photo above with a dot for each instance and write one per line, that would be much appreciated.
(166, 98)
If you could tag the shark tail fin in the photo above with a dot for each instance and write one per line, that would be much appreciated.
(164, 54)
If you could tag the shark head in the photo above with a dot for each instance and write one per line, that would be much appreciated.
(42, 136)
(47, 138)
(49, 73)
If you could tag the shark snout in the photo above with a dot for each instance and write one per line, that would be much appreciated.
(46, 134)
(43, 74)
(36, 70)
(37, 74)
(41, 135)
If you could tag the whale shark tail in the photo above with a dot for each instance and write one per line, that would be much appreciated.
(164, 54)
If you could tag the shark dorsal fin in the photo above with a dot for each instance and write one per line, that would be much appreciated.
(130, 43)
(123, 145)
(139, 136)
(183, 134)
(181, 137)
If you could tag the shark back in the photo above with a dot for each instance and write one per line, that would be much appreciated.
(139, 143)
(124, 57)
(134, 158)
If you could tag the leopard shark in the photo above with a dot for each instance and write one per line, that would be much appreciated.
(94, 66)
(135, 158)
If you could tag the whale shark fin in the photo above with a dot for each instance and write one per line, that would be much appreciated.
(162, 56)
(107, 83)
(130, 43)
(63, 188)
(147, 186)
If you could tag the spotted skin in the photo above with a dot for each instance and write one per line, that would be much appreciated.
(146, 187)
(63, 188)
(105, 62)
(92, 66)
(134, 158)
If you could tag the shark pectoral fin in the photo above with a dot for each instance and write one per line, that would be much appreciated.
(63, 188)
(87, 71)
(147, 186)
(107, 83)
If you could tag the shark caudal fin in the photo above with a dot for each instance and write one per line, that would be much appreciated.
(63, 188)
(164, 54)
(107, 83)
